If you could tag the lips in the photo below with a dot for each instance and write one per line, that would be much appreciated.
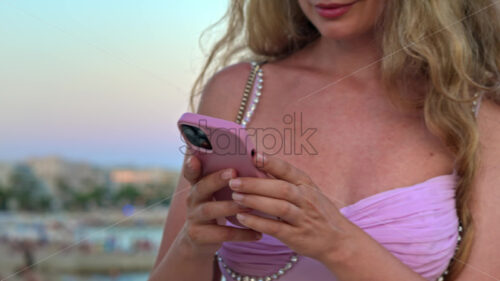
(332, 10)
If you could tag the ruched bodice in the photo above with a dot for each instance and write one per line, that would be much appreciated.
(417, 224)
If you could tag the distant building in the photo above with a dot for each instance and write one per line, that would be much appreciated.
(79, 176)
(61, 178)
(142, 176)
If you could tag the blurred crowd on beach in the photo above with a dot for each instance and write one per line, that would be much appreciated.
(46, 247)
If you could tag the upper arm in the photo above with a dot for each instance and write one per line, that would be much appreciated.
(220, 98)
(484, 261)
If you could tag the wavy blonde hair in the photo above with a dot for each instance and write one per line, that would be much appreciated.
(453, 45)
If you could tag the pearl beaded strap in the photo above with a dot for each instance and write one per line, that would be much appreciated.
(246, 93)
(256, 72)
(240, 277)
(476, 103)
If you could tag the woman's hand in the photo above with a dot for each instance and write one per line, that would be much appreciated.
(201, 233)
(310, 223)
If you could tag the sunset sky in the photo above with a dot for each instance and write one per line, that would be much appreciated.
(100, 81)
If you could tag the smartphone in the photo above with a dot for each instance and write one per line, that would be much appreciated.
(220, 144)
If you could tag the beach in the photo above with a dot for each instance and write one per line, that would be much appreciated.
(79, 246)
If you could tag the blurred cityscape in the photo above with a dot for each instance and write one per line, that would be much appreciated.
(72, 220)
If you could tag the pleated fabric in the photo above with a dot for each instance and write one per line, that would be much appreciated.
(418, 224)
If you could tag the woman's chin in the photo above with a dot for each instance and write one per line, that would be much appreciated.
(340, 35)
(344, 32)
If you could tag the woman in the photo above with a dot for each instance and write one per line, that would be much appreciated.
(397, 180)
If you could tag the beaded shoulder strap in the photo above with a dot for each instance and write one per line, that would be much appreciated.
(476, 103)
(249, 93)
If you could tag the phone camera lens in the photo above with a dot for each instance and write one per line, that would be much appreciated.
(196, 136)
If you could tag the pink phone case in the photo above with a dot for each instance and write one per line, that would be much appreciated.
(231, 148)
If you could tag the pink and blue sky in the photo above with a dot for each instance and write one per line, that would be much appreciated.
(99, 81)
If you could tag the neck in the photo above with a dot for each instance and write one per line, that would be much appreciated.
(359, 57)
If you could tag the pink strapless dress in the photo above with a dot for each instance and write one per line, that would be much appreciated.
(418, 224)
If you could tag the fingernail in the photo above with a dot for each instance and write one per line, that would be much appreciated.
(227, 174)
(240, 216)
(188, 162)
(260, 158)
(237, 196)
(234, 184)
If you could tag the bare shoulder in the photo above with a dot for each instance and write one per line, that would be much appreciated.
(223, 91)
(485, 255)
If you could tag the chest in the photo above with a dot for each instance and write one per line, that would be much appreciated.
(351, 146)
